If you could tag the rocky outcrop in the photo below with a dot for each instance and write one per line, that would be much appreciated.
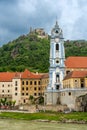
(81, 103)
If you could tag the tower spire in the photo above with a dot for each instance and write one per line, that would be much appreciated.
(56, 20)
(56, 24)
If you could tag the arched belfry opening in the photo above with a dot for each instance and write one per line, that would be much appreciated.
(57, 47)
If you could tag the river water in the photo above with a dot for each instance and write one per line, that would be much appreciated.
(33, 125)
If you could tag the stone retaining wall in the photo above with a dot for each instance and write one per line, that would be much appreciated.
(36, 108)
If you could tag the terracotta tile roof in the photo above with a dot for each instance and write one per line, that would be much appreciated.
(17, 75)
(6, 76)
(46, 75)
(27, 74)
(76, 62)
(76, 74)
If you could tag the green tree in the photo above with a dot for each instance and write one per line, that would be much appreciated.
(31, 98)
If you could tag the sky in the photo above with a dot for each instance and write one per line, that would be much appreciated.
(17, 16)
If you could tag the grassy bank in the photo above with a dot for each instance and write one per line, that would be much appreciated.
(50, 116)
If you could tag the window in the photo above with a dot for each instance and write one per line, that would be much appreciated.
(15, 94)
(39, 88)
(35, 88)
(57, 47)
(69, 93)
(22, 82)
(57, 87)
(8, 91)
(39, 82)
(35, 94)
(30, 82)
(26, 82)
(26, 88)
(22, 88)
(76, 83)
(24, 100)
(82, 85)
(26, 93)
(22, 94)
(8, 85)
(15, 88)
(2, 85)
(57, 78)
(3, 91)
(75, 80)
(16, 83)
(67, 71)
(39, 94)
(35, 82)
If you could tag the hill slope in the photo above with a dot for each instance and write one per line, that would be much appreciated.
(29, 51)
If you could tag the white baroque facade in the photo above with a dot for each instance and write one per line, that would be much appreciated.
(57, 67)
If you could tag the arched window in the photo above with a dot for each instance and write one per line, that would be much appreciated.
(22, 82)
(57, 78)
(57, 46)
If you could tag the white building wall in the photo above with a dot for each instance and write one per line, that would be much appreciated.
(16, 91)
(69, 100)
(6, 89)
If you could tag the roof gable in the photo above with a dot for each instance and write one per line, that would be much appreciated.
(27, 74)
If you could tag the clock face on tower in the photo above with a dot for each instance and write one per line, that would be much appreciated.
(56, 40)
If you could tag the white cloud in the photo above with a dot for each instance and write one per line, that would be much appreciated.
(16, 16)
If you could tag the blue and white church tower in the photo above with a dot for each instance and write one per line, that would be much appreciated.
(57, 66)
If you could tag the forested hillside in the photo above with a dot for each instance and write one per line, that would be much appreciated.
(31, 52)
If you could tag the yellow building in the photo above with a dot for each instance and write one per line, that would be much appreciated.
(32, 84)
(75, 79)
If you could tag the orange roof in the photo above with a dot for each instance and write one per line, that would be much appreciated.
(76, 62)
(27, 74)
(76, 74)
(46, 75)
(6, 76)
(17, 75)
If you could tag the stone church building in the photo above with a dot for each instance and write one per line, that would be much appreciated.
(67, 77)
